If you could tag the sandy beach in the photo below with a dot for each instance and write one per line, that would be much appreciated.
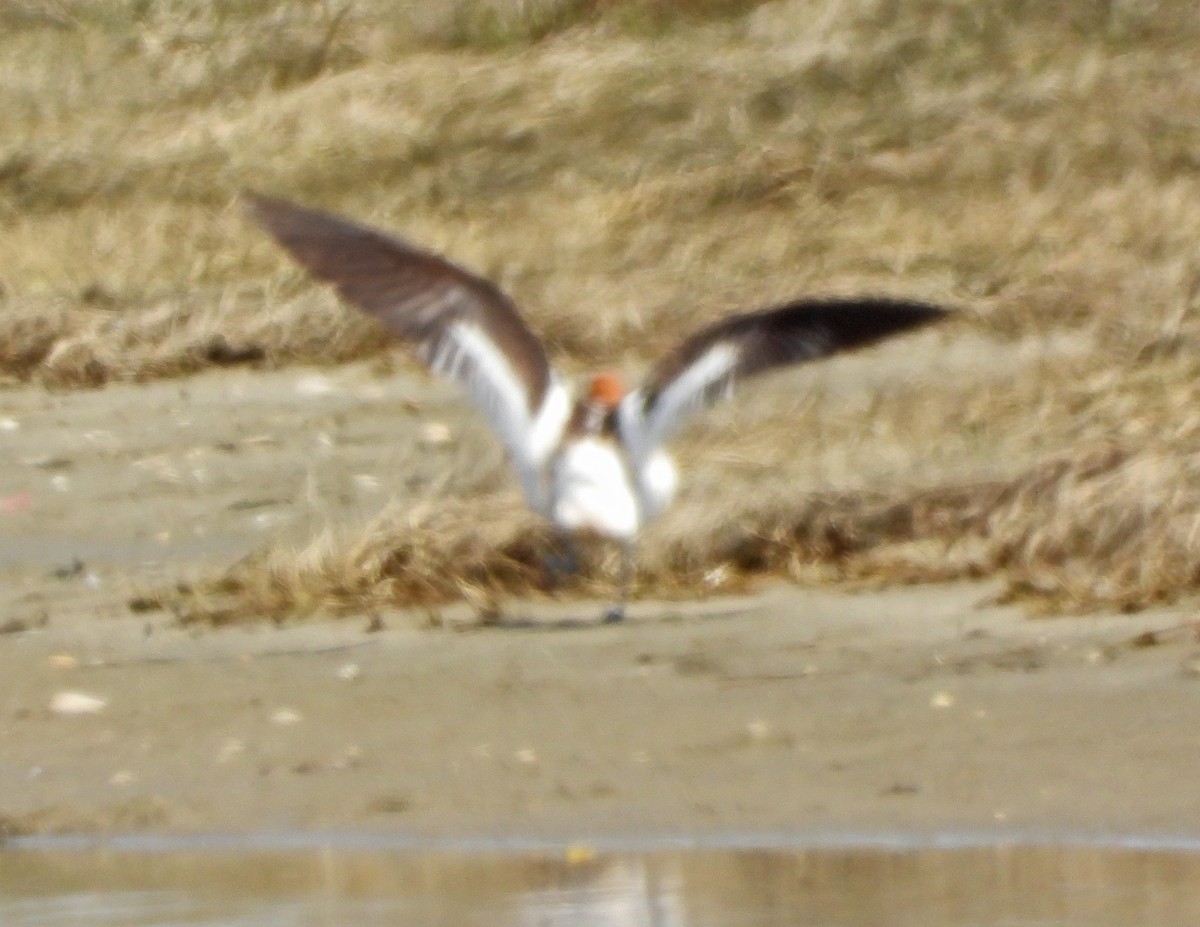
(789, 709)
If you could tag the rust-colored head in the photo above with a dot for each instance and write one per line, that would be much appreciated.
(606, 391)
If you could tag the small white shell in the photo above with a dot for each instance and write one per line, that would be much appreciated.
(286, 716)
(315, 384)
(942, 700)
(77, 703)
(436, 434)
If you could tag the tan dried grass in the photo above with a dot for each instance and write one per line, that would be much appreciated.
(1113, 529)
(1032, 163)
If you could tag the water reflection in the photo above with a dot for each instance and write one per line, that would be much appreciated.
(1033, 886)
(602, 893)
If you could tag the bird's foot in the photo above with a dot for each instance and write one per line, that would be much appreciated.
(614, 615)
(553, 576)
(560, 565)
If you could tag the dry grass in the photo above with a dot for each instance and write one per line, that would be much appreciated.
(1112, 529)
(1034, 163)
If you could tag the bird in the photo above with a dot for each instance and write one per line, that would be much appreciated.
(592, 462)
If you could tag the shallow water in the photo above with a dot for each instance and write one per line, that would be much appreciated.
(833, 885)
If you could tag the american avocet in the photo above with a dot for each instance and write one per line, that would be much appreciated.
(589, 464)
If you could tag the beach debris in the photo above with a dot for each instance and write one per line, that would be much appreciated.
(286, 716)
(102, 437)
(122, 777)
(264, 520)
(392, 803)
(350, 758)
(160, 467)
(941, 700)
(315, 384)
(717, 576)
(528, 756)
(77, 703)
(348, 672)
(436, 434)
(69, 571)
(50, 462)
(63, 660)
(9, 424)
(759, 730)
(230, 748)
(256, 502)
(579, 854)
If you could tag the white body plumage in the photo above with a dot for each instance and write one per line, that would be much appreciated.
(596, 486)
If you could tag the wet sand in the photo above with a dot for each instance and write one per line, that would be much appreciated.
(919, 708)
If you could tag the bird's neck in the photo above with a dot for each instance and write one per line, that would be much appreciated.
(591, 419)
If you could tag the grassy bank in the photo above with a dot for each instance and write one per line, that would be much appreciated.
(629, 170)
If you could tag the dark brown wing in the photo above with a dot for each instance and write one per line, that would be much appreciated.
(705, 366)
(418, 295)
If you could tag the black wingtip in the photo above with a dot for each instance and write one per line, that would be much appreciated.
(861, 321)
(885, 310)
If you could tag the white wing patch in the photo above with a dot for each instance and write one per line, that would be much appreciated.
(466, 354)
(546, 430)
(692, 388)
(657, 481)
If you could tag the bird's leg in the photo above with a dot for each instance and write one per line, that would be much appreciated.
(562, 561)
(617, 612)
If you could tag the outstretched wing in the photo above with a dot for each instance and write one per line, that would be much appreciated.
(463, 326)
(705, 367)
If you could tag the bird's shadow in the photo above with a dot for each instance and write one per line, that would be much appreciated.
(527, 624)
(524, 623)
